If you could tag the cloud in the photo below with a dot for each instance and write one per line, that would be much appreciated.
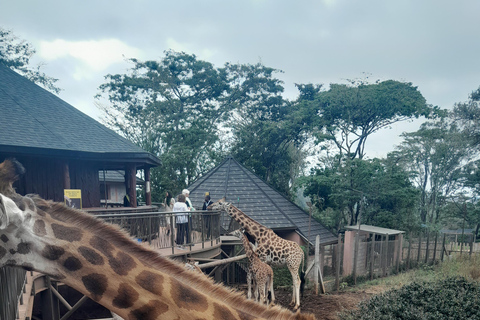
(206, 54)
(93, 55)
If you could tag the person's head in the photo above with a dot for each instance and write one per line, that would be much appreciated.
(168, 194)
(181, 198)
(185, 192)
(207, 198)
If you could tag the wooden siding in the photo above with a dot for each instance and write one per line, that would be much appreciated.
(45, 177)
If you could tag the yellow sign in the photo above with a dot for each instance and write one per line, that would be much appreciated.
(73, 198)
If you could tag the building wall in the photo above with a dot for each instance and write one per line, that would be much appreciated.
(46, 177)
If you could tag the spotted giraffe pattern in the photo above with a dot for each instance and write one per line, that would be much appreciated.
(270, 248)
(104, 263)
(260, 272)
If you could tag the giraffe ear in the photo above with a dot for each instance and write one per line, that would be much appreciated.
(3, 214)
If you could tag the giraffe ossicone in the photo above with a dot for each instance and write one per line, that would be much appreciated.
(104, 263)
(271, 248)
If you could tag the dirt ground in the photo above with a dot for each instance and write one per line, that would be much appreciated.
(324, 306)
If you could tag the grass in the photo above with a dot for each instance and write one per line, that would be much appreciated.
(465, 266)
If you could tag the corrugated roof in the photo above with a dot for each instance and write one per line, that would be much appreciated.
(33, 118)
(256, 199)
(373, 229)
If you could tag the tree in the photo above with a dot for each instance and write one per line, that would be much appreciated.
(348, 114)
(378, 187)
(434, 155)
(267, 133)
(16, 54)
(170, 108)
(467, 115)
(188, 112)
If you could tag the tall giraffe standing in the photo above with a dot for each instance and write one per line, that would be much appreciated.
(104, 263)
(258, 271)
(270, 248)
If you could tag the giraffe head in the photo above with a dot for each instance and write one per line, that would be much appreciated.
(10, 171)
(221, 205)
(16, 245)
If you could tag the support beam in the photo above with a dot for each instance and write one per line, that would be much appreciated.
(131, 184)
(221, 261)
(148, 192)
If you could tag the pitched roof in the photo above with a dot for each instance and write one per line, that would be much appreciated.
(257, 199)
(34, 120)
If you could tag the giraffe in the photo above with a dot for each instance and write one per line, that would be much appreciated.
(258, 271)
(270, 248)
(104, 263)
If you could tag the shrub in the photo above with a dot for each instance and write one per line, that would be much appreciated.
(451, 298)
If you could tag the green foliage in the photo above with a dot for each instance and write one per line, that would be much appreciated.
(16, 54)
(281, 277)
(452, 298)
(379, 189)
(183, 110)
(434, 156)
(348, 114)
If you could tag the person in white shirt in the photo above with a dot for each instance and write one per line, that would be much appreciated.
(181, 220)
(186, 193)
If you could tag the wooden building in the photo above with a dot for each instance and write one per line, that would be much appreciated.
(61, 147)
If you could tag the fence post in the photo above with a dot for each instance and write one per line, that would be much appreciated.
(339, 252)
(172, 232)
(427, 248)
(316, 263)
(372, 256)
(443, 248)
(471, 245)
(355, 253)
(409, 249)
(435, 247)
(419, 247)
(399, 251)
(386, 256)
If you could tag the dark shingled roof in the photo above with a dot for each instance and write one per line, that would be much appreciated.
(34, 120)
(256, 199)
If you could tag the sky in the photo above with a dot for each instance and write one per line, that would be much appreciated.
(434, 44)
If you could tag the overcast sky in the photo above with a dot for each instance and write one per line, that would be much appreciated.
(435, 44)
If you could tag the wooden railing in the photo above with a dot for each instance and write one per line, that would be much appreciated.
(159, 228)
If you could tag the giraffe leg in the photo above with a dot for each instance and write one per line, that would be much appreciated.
(271, 290)
(295, 303)
(249, 281)
(297, 293)
(263, 298)
(256, 291)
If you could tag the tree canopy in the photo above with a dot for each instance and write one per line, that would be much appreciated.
(347, 114)
(16, 54)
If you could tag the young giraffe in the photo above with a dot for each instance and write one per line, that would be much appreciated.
(270, 248)
(258, 271)
(102, 262)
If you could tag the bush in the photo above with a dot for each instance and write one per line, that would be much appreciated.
(452, 298)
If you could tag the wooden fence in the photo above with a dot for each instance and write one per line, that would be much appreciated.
(377, 257)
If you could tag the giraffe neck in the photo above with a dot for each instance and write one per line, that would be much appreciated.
(253, 228)
(248, 249)
(102, 262)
